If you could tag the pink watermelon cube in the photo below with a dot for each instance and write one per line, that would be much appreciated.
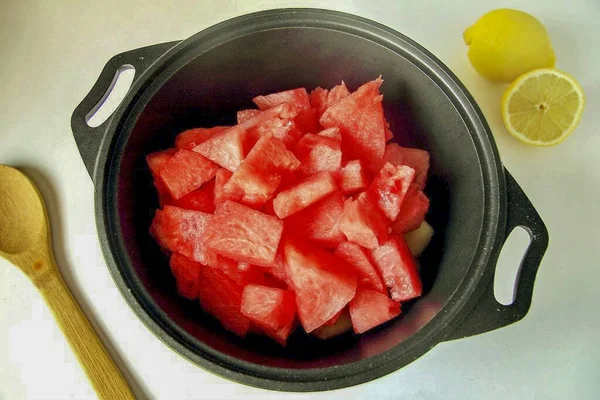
(244, 115)
(363, 223)
(412, 213)
(273, 310)
(283, 129)
(155, 162)
(360, 261)
(417, 159)
(398, 268)
(193, 137)
(298, 98)
(221, 178)
(186, 272)
(243, 234)
(318, 153)
(370, 308)
(389, 188)
(353, 177)
(185, 172)
(321, 99)
(333, 133)
(303, 194)
(202, 199)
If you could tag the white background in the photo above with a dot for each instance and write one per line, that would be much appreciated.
(51, 52)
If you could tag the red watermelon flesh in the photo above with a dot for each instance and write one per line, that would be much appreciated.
(360, 119)
(155, 163)
(185, 172)
(193, 137)
(245, 115)
(353, 177)
(321, 99)
(412, 212)
(298, 98)
(303, 194)
(271, 309)
(243, 234)
(308, 121)
(277, 269)
(222, 298)
(335, 318)
(202, 199)
(318, 153)
(363, 223)
(323, 287)
(320, 222)
(259, 175)
(398, 268)
(180, 231)
(186, 272)
(333, 133)
(360, 261)
(389, 188)
(417, 159)
(221, 178)
(283, 129)
(229, 147)
(389, 135)
(370, 308)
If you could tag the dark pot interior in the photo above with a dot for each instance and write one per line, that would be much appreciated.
(215, 83)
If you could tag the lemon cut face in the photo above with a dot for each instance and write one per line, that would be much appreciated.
(543, 107)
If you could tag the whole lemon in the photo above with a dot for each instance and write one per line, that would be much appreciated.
(505, 43)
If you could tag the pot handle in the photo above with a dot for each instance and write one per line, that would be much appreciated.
(488, 314)
(89, 139)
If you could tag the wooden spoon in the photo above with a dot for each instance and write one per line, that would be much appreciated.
(25, 241)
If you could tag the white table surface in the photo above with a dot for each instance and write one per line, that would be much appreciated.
(51, 52)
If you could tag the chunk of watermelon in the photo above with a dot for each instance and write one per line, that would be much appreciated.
(308, 121)
(417, 159)
(244, 115)
(320, 222)
(353, 177)
(371, 308)
(413, 211)
(185, 172)
(221, 178)
(222, 298)
(277, 269)
(321, 99)
(333, 133)
(389, 188)
(360, 119)
(363, 223)
(193, 137)
(389, 135)
(155, 162)
(318, 153)
(298, 98)
(398, 268)
(323, 287)
(259, 175)
(273, 310)
(229, 147)
(202, 199)
(186, 272)
(303, 194)
(358, 258)
(181, 231)
(283, 129)
(241, 273)
(243, 234)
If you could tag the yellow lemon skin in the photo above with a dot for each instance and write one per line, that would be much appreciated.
(505, 43)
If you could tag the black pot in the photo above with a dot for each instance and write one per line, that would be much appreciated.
(202, 81)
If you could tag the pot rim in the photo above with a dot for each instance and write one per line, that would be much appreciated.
(274, 378)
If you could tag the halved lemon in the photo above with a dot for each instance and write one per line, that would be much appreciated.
(542, 107)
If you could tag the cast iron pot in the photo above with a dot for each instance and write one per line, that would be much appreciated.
(202, 81)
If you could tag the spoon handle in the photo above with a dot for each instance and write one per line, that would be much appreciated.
(99, 367)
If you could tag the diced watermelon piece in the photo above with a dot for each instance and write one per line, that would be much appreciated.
(333, 133)
(320, 222)
(283, 129)
(181, 231)
(363, 223)
(398, 268)
(245, 115)
(358, 258)
(271, 309)
(229, 147)
(303, 194)
(240, 273)
(221, 178)
(360, 119)
(298, 98)
(277, 269)
(243, 234)
(259, 175)
(389, 188)
(186, 272)
(222, 298)
(318, 153)
(193, 137)
(353, 177)
(155, 162)
(417, 159)
(412, 213)
(202, 199)
(185, 172)
(321, 99)
(342, 325)
(323, 287)
(370, 309)
(308, 121)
